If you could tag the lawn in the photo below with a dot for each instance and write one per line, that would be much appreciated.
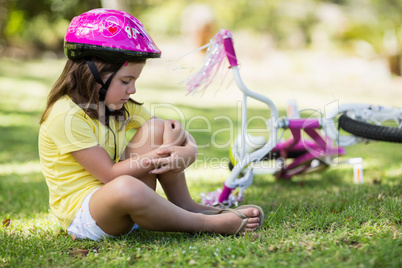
(316, 220)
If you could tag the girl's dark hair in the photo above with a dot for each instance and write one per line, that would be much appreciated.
(77, 82)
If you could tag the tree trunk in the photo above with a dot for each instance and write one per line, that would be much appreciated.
(394, 62)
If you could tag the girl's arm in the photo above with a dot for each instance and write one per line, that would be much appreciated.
(178, 150)
(98, 162)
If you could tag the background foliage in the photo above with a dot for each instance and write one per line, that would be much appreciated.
(372, 27)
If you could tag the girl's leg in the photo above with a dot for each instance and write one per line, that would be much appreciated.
(175, 187)
(119, 204)
(150, 137)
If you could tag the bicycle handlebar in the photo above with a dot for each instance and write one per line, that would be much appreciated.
(231, 181)
(230, 52)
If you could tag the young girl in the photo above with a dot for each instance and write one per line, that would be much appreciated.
(97, 187)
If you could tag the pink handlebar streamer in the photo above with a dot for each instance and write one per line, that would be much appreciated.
(212, 62)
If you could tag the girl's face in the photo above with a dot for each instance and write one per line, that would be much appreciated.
(123, 85)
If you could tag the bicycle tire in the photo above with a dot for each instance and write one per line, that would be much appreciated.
(370, 131)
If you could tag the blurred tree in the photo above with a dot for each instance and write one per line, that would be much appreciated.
(390, 18)
(291, 23)
(285, 21)
(379, 24)
(197, 24)
(37, 25)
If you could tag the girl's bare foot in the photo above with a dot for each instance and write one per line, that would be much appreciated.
(246, 219)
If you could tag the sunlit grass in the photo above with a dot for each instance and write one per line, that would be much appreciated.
(315, 220)
(20, 168)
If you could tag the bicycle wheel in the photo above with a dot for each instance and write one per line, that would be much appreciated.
(370, 131)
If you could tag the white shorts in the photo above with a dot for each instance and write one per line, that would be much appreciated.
(84, 226)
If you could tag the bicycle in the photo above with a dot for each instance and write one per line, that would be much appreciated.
(363, 122)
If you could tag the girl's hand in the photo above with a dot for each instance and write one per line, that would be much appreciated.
(173, 133)
(175, 158)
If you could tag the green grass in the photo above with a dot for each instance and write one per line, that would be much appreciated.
(317, 220)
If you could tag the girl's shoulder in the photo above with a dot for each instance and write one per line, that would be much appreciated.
(63, 107)
(63, 103)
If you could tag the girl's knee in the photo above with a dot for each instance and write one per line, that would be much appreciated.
(149, 134)
(155, 128)
(129, 190)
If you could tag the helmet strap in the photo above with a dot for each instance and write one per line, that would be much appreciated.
(102, 93)
(98, 79)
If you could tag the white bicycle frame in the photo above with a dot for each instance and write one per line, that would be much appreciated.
(269, 145)
(366, 112)
(245, 160)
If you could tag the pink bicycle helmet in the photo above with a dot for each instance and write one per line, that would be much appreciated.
(113, 35)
